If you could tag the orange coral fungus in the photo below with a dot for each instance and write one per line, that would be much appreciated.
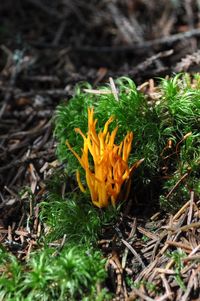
(110, 162)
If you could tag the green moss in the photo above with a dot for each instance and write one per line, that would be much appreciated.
(74, 271)
(69, 274)
(180, 108)
(65, 214)
(131, 113)
(171, 118)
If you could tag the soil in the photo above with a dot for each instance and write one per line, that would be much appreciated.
(46, 48)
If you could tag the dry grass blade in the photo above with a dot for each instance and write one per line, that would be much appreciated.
(113, 89)
(134, 253)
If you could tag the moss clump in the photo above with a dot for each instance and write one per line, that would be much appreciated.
(73, 215)
(166, 133)
(179, 114)
(131, 113)
(69, 274)
(60, 269)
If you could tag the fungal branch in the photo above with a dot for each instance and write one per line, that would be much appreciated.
(109, 170)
